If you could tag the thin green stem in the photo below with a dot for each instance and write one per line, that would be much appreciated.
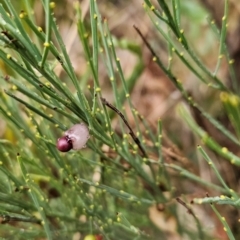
(222, 36)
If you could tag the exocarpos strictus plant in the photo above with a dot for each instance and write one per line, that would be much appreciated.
(78, 158)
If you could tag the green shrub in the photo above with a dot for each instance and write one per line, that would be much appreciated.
(126, 184)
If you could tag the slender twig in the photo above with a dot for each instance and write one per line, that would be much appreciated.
(189, 210)
(185, 94)
(12, 41)
(6, 219)
(131, 133)
(144, 40)
(168, 72)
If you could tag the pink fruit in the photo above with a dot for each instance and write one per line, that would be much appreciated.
(75, 138)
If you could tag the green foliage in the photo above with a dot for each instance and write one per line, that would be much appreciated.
(109, 187)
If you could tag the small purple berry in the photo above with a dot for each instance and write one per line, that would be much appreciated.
(74, 138)
(64, 144)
